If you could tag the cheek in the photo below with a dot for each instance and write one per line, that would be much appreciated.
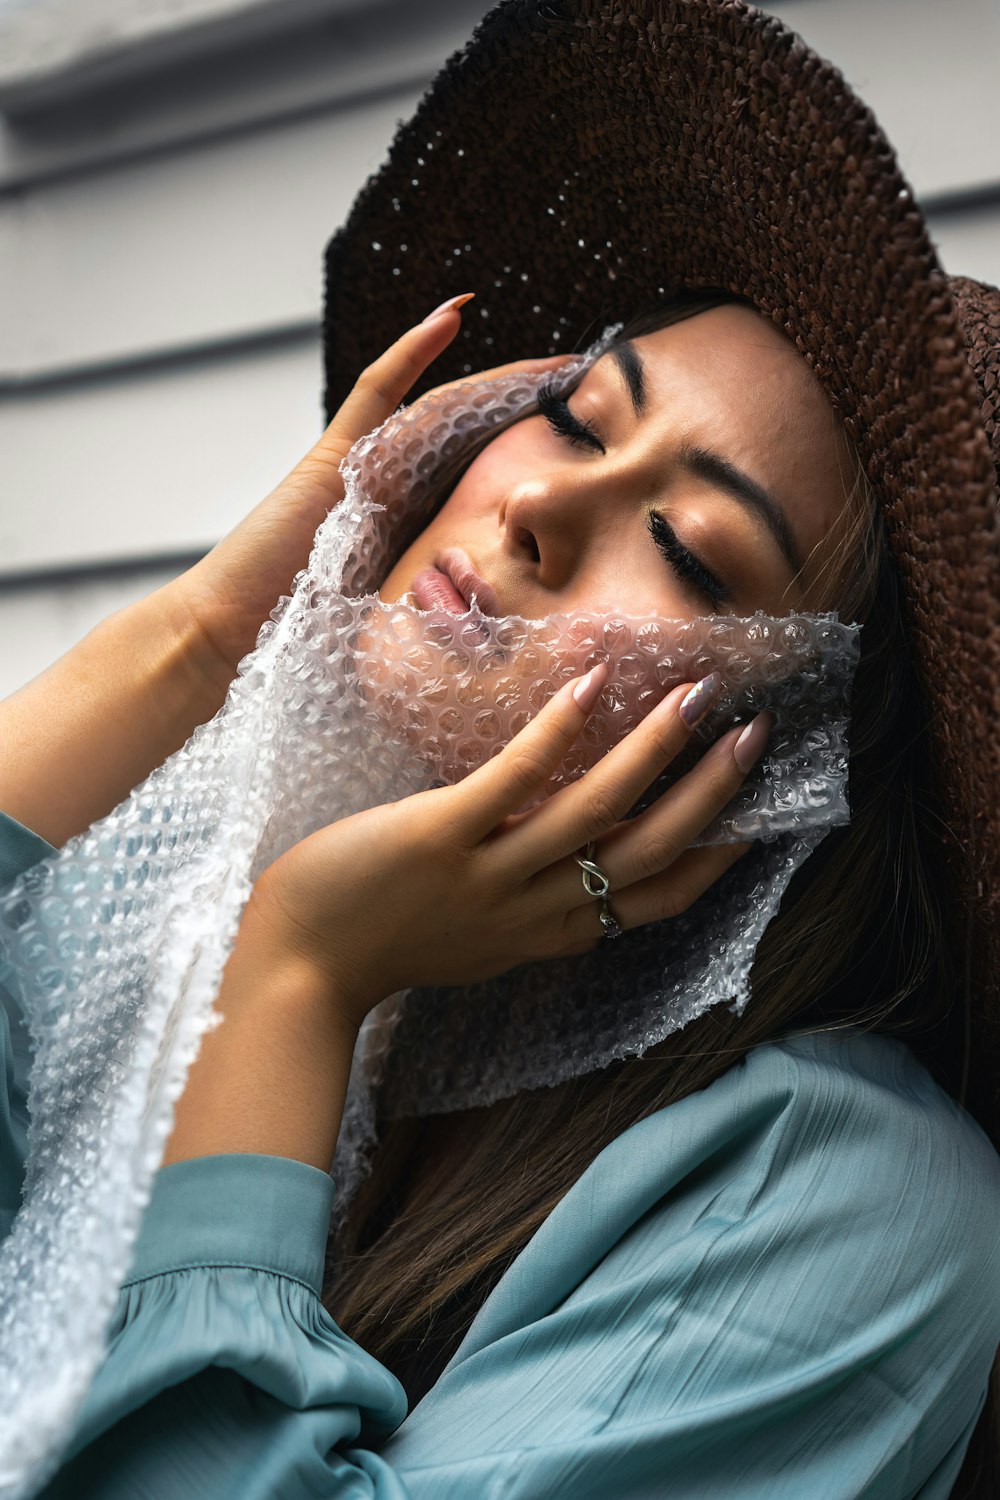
(633, 580)
(473, 503)
(490, 477)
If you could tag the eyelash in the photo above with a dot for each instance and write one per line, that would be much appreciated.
(562, 421)
(581, 434)
(685, 562)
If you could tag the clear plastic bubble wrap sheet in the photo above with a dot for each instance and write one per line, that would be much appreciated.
(118, 943)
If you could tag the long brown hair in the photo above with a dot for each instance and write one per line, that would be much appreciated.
(862, 939)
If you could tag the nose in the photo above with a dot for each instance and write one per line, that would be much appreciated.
(550, 522)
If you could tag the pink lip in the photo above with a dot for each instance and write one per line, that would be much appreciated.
(433, 589)
(451, 584)
(457, 565)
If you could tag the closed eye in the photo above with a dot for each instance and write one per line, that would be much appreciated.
(689, 568)
(562, 421)
(684, 563)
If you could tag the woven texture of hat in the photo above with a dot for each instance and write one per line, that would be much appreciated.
(119, 941)
(579, 160)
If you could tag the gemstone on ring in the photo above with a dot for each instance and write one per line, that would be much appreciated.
(610, 923)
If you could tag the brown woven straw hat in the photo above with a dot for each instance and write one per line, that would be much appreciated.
(580, 159)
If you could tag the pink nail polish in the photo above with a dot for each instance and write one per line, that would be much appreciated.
(752, 742)
(702, 697)
(452, 302)
(588, 689)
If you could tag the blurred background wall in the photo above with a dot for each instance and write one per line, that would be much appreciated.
(170, 171)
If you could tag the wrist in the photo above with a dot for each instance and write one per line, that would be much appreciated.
(271, 1078)
(284, 940)
(205, 665)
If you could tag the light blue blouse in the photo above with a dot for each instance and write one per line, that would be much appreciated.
(784, 1287)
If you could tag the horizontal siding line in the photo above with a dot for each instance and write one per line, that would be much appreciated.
(60, 574)
(939, 207)
(123, 155)
(962, 200)
(284, 336)
(38, 82)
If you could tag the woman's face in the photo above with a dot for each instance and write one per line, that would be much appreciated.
(713, 481)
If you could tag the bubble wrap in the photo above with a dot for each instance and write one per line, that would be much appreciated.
(119, 941)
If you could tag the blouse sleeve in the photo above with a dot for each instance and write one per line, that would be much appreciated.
(786, 1285)
(19, 850)
(224, 1375)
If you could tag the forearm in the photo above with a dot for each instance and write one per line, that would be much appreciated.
(78, 738)
(272, 1077)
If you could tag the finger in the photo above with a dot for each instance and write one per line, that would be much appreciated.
(516, 367)
(526, 765)
(381, 387)
(660, 898)
(595, 803)
(661, 835)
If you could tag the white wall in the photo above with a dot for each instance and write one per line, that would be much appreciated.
(169, 175)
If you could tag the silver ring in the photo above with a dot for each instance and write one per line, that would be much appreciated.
(596, 883)
(592, 872)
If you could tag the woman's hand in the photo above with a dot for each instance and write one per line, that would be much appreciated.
(458, 883)
(231, 591)
(447, 886)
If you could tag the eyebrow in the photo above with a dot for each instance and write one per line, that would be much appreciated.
(712, 467)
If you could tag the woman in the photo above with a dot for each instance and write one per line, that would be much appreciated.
(744, 1268)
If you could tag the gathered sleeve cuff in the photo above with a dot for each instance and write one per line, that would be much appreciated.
(265, 1213)
(224, 1372)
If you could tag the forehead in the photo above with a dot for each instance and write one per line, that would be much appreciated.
(730, 379)
(732, 359)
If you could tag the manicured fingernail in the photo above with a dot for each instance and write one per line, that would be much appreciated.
(750, 745)
(456, 302)
(588, 689)
(702, 697)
